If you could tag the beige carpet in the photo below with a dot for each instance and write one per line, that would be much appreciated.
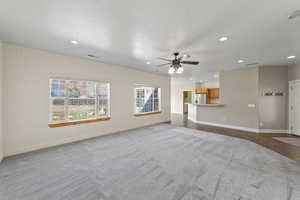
(289, 140)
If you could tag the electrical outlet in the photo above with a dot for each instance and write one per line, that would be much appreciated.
(261, 124)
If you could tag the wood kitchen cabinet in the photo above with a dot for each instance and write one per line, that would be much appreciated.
(201, 91)
(213, 93)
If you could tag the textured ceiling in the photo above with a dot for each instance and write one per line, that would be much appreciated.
(132, 32)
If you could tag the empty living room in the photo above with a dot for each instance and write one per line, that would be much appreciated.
(149, 100)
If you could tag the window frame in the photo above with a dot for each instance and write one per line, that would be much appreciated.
(153, 100)
(66, 99)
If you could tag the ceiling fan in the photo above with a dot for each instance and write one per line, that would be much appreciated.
(175, 64)
(295, 14)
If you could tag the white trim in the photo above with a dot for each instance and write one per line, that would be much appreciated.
(253, 130)
(291, 83)
(192, 119)
(273, 131)
(179, 113)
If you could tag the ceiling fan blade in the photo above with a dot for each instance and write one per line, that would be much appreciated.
(190, 62)
(185, 56)
(163, 65)
(165, 59)
(180, 58)
(295, 14)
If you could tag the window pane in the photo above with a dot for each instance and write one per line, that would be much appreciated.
(147, 99)
(156, 104)
(156, 99)
(58, 109)
(156, 92)
(57, 88)
(81, 89)
(148, 107)
(103, 99)
(140, 101)
(81, 100)
(79, 109)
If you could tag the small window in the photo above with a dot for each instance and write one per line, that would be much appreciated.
(147, 100)
(78, 100)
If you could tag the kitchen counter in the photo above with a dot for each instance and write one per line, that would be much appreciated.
(209, 105)
(205, 112)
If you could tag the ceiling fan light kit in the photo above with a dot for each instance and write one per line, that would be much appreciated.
(175, 69)
(171, 70)
(179, 70)
(176, 66)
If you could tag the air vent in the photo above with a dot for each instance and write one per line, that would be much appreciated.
(92, 56)
(252, 64)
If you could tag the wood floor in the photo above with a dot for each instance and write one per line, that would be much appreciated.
(266, 139)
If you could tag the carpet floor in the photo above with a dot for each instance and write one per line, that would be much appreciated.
(161, 162)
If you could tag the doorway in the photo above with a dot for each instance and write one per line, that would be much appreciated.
(294, 107)
(187, 99)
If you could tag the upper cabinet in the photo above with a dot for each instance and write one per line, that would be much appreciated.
(201, 91)
(213, 93)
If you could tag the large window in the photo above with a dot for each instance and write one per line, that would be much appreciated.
(147, 100)
(78, 100)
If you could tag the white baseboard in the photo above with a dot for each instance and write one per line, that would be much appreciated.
(273, 131)
(179, 113)
(192, 119)
(253, 130)
(229, 126)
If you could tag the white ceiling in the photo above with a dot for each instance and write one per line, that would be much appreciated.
(132, 32)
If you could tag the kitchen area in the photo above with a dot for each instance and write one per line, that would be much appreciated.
(251, 99)
(206, 95)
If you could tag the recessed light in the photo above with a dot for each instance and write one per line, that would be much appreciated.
(241, 61)
(291, 57)
(74, 42)
(223, 39)
(148, 63)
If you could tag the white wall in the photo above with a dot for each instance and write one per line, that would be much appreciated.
(26, 74)
(178, 85)
(238, 88)
(209, 84)
(273, 111)
(294, 72)
(1, 78)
